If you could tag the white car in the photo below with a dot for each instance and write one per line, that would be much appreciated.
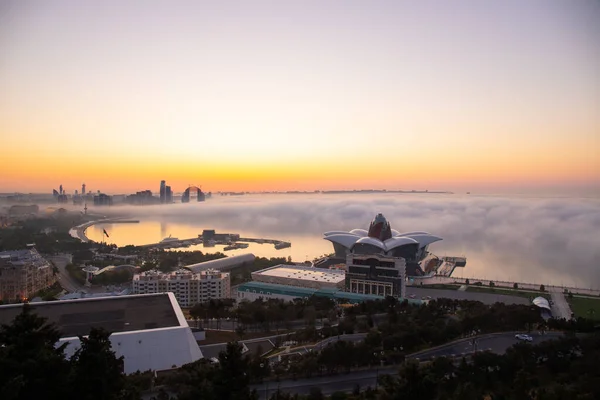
(523, 337)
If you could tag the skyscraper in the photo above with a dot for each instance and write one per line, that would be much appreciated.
(83, 189)
(168, 195)
(163, 192)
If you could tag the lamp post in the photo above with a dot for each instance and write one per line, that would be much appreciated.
(379, 357)
(262, 365)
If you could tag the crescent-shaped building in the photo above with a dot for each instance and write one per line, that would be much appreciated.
(383, 241)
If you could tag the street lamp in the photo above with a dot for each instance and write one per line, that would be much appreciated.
(262, 365)
(380, 354)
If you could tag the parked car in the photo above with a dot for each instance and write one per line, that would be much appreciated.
(523, 337)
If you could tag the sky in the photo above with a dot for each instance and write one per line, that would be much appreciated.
(277, 95)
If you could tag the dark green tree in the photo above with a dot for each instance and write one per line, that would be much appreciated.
(97, 374)
(32, 366)
(232, 379)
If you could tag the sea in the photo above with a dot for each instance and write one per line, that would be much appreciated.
(551, 240)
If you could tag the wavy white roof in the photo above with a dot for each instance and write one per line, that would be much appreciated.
(371, 241)
(542, 302)
(398, 241)
(345, 239)
(360, 236)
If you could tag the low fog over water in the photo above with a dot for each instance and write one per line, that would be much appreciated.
(526, 239)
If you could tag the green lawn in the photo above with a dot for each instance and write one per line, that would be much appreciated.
(439, 286)
(582, 307)
(506, 291)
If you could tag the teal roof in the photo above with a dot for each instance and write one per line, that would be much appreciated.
(286, 290)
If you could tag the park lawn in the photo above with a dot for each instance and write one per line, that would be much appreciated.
(438, 286)
(582, 307)
(508, 292)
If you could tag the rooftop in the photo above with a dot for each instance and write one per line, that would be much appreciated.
(180, 273)
(22, 257)
(304, 273)
(115, 314)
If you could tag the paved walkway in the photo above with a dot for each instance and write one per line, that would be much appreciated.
(560, 308)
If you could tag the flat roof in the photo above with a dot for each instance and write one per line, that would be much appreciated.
(304, 273)
(115, 314)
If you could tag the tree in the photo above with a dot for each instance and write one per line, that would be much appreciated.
(97, 374)
(492, 284)
(232, 380)
(31, 365)
(542, 288)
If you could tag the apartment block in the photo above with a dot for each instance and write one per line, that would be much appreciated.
(189, 288)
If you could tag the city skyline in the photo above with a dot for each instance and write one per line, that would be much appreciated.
(271, 96)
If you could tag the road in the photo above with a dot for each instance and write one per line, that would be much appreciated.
(64, 278)
(230, 325)
(497, 343)
(508, 285)
(327, 384)
(485, 298)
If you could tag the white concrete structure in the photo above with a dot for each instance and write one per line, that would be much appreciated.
(301, 276)
(188, 287)
(149, 331)
(222, 264)
(380, 238)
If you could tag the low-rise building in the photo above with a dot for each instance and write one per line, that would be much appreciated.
(23, 273)
(188, 287)
(149, 331)
(253, 290)
(301, 276)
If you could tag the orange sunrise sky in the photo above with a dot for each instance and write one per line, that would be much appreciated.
(272, 95)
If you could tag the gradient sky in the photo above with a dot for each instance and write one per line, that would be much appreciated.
(282, 95)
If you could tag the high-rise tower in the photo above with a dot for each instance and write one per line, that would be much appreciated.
(163, 192)
(83, 189)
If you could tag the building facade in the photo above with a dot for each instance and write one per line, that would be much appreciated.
(376, 275)
(23, 273)
(189, 288)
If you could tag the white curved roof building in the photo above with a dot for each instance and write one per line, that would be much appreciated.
(222, 264)
(381, 239)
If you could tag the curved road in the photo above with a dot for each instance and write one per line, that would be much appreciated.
(497, 343)
(65, 280)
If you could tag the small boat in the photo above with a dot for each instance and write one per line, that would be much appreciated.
(169, 239)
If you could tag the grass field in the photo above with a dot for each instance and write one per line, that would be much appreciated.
(438, 286)
(583, 306)
(506, 291)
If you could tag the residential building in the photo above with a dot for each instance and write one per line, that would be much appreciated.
(188, 287)
(23, 273)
